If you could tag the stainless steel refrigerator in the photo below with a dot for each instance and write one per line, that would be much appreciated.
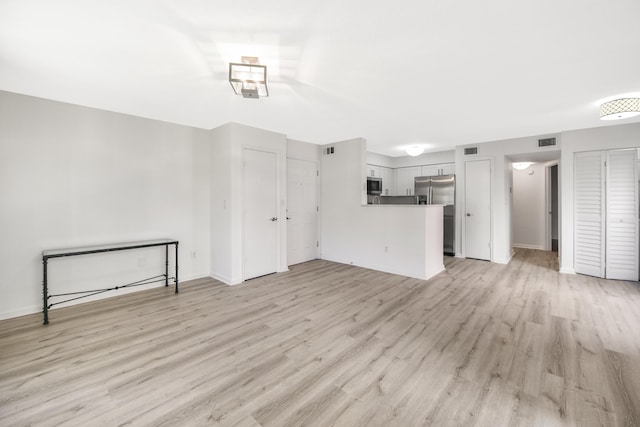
(440, 190)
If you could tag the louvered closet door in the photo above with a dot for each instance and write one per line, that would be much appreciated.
(589, 213)
(622, 215)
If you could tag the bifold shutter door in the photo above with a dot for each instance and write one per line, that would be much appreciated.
(622, 215)
(589, 213)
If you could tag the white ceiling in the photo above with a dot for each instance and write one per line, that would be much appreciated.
(434, 72)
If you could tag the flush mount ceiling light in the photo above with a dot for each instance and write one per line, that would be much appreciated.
(249, 78)
(620, 109)
(522, 165)
(415, 151)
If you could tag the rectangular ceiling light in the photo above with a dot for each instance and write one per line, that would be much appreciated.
(249, 78)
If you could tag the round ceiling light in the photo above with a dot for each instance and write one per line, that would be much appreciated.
(622, 108)
(522, 165)
(415, 151)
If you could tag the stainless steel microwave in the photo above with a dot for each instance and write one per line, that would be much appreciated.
(374, 186)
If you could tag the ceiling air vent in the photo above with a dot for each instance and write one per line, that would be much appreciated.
(471, 150)
(545, 142)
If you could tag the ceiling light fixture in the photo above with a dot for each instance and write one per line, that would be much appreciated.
(620, 109)
(249, 78)
(522, 165)
(415, 151)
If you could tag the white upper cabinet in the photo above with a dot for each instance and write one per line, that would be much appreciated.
(373, 170)
(448, 168)
(387, 176)
(388, 183)
(439, 169)
(430, 170)
(405, 180)
(400, 181)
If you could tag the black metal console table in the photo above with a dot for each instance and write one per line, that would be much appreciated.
(60, 253)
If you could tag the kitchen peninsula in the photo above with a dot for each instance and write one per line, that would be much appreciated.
(399, 239)
(411, 237)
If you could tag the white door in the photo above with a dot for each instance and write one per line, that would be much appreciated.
(477, 215)
(622, 215)
(302, 214)
(589, 213)
(260, 245)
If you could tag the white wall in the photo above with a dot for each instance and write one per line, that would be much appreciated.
(501, 181)
(570, 142)
(529, 207)
(222, 191)
(380, 160)
(301, 150)
(228, 142)
(602, 138)
(403, 240)
(72, 176)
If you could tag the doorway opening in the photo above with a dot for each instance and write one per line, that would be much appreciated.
(552, 208)
(535, 209)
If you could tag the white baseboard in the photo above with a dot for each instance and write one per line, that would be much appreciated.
(567, 270)
(505, 261)
(425, 276)
(225, 279)
(221, 278)
(21, 312)
(435, 272)
(38, 308)
(524, 246)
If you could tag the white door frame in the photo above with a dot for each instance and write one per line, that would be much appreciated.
(278, 210)
(548, 205)
(463, 200)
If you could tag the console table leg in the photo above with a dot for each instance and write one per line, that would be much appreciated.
(176, 267)
(166, 265)
(45, 293)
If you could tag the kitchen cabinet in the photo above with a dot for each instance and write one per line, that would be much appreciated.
(388, 183)
(405, 180)
(387, 176)
(448, 168)
(430, 170)
(373, 170)
(439, 169)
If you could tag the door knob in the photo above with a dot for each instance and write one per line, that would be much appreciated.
(468, 214)
(288, 217)
(274, 218)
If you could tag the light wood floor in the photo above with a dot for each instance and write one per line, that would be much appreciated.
(328, 344)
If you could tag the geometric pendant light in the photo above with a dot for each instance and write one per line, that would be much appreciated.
(620, 109)
(249, 78)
